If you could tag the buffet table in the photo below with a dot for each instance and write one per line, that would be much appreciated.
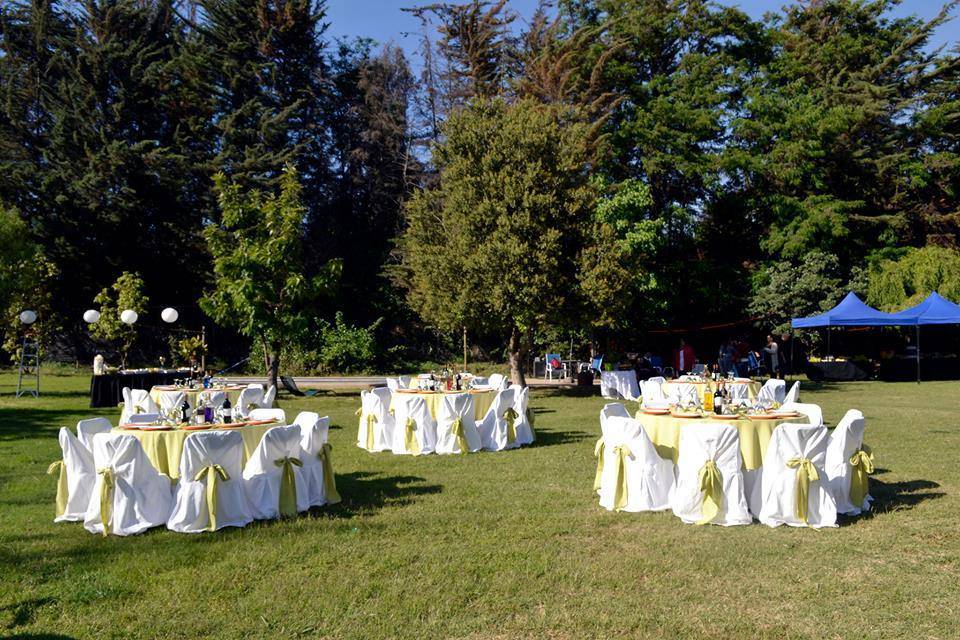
(107, 390)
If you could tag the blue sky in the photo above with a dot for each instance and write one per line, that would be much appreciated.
(383, 20)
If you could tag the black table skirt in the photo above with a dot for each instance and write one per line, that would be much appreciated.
(905, 369)
(107, 390)
(835, 371)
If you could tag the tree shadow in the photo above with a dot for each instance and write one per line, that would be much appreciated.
(896, 496)
(29, 423)
(24, 612)
(551, 437)
(364, 491)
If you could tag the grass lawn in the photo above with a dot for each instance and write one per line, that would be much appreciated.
(504, 545)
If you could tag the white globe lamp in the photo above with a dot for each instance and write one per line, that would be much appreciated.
(28, 316)
(90, 316)
(169, 315)
(128, 316)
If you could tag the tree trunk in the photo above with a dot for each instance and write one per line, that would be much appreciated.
(516, 352)
(271, 361)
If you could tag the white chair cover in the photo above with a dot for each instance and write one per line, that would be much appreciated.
(86, 429)
(375, 412)
(211, 467)
(170, 402)
(796, 451)
(794, 394)
(652, 393)
(136, 495)
(619, 384)
(494, 428)
(813, 412)
(321, 485)
(405, 381)
(683, 393)
(277, 454)
(136, 401)
(648, 477)
(457, 406)
(393, 384)
(76, 478)
(269, 397)
(497, 382)
(249, 399)
(269, 414)
(739, 391)
(701, 442)
(521, 404)
(255, 385)
(143, 418)
(846, 441)
(772, 391)
(413, 410)
(215, 399)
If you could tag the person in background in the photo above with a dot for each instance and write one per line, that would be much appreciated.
(771, 352)
(684, 358)
(785, 352)
(728, 353)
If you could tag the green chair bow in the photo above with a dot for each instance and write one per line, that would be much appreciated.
(63, 490)
(107, 483)
(598, 450)
(371, 419)
(711, 484)
(457, 430)
(329, 480)
(288, 486)
(621, 452)
(410, 442)
(806, 473)
(862, 463)
(213, 473)
(510, 415)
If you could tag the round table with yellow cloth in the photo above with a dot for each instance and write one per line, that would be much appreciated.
(481, 400)
(232, 391)
(165, 448)
(753, 387)
(664, 432)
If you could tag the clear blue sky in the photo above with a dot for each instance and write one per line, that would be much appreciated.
(383, 21)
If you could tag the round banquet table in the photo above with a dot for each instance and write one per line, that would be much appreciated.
(481, 400)
(753, 387)
(232, 391)
(165, 448)
(664, 432)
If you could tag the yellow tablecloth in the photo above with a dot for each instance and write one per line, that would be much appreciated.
(481, 400)
(233, 393)
(664, 432)
(753, 386)
(164, 448)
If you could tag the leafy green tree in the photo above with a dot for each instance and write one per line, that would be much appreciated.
(894, 284)
(261, 286)
(785, 289)
(497, 245)
(126, 293)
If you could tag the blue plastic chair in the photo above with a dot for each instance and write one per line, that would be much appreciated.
(597, 364)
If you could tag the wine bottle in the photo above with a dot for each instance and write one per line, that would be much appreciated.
(225, 411)
(718, 400)
(184, 411)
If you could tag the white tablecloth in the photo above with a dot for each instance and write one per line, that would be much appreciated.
(619, 384)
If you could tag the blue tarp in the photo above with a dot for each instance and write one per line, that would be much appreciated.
(851, 312)
(935, 309)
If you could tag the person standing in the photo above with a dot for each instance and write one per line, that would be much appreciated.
(728, 353)
(684, 358)
(772, 351)
(785, 354)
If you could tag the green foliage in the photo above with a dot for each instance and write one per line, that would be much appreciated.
(126, 293)
(786, 289)
(191, 349)
(347, 348)
(893, 285)
(260, 285)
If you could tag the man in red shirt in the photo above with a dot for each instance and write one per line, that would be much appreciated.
(684, 358)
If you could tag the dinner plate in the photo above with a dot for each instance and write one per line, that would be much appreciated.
(155, 427)
(724, 417)
(686, 415)
(764, 416)
(197, 427)
(656, 412)
(786, 414)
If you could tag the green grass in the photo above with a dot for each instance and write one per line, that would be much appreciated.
(505, 545)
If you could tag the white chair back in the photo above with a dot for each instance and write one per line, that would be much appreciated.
(250, 398)
(684, 393)
(170, 401)
(393, 384)
(739, 392)
(76, 484)
(279, 415)
(813, 412)
(202, 453)
(790, 449)
(652, 393)
(772, 391)
(457, 406)
(845, 441)
(701, 442)
(263, 473)
(215, 398)
(136, 401)
(140, 496)
(494, 429)
(143, 418)
(269, 397)
(649, 478)
(314, 431)
(377, 403)
(794, 394)
(413, 410)
(86, 429)
(497, 382)
(405, 381)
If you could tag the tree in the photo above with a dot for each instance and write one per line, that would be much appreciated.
(893, 284)
(497, 245)
(786, 290)
(126, 293)
(261, 286)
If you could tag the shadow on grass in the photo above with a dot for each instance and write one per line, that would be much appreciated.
(897, 496)
(365, 491)
(24, 612)
(27, 423)
(552, 437)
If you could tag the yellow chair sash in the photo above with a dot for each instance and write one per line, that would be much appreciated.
(63, 490)
(806, 473)
(598, 451)
(213, 473)
(329, 480)
(457, 430)
(620, 493)
(862, 463)
(410, 442)
(711, 484)
(106, 498)
(288, 486)
(510, 415)
(370, 419)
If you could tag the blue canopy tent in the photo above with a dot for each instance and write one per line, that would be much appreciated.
(853, 312)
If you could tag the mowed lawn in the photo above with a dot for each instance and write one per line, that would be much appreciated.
(493, 545)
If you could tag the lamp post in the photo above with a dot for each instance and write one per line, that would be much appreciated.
(29, 357)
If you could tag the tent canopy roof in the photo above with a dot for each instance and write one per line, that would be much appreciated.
(935, 309)
(851, 312)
